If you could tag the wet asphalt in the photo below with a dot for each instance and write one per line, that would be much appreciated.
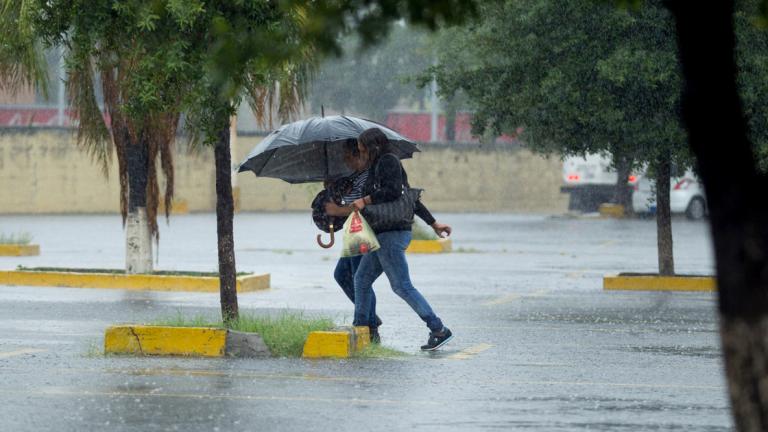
(538, 346)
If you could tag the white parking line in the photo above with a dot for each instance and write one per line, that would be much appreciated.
(9, 354)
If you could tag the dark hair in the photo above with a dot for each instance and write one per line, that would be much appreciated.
(375, 142)
(350, 147)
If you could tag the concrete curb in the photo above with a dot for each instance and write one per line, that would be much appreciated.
(659, 283)
(19, 250)
(341, 342)
(612, 211)
(129, 282)
(430, 246)
(182, 341)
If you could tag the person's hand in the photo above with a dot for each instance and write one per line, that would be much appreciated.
(442, 228)
(359, 204)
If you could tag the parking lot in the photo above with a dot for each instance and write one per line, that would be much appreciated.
(539, 344)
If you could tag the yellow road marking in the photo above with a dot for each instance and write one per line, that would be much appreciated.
(512, 297)
(4, 355)
(608, 243)
(470, 352)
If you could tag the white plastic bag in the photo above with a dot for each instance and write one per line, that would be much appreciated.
(359, 238)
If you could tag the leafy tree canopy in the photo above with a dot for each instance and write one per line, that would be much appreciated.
(580, 77)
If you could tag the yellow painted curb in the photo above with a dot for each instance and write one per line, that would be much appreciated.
(130, 282)
(161, 340)
(430, 246)
(338, 343)
(612, 210)
(19, 250)
(659, 283)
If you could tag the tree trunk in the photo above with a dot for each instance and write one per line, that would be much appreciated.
(664, 216)
(623, 194)
(717, 132)
(138, 241)
(224, 218)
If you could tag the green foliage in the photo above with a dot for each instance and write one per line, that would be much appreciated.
(372, 20)
(284, 334)
(752, 80)
(22, 63)
(22, 238)
(580, 77)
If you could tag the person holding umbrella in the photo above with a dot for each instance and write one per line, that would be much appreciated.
(346, 267)
(386, 183)
(306, 151)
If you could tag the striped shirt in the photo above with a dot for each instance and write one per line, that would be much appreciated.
(356, 191)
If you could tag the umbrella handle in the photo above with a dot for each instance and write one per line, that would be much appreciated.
(330, 244)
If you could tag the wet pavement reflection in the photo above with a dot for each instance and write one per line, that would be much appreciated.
(539, 345)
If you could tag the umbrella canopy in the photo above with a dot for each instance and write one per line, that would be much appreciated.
(312, 150)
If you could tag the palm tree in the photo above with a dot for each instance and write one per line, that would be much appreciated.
(152, 64)
(137, 133)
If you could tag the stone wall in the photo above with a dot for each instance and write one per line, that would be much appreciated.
(43, 171)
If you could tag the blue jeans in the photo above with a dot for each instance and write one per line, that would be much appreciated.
(390, 260)
(345, 277)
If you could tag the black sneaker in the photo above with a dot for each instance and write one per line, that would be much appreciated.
(437, 339)
(374, 332)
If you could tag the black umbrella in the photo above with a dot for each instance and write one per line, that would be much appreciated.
(311, 150)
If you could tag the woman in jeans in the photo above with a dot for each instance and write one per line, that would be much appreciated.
(385, 183)
(346, 268)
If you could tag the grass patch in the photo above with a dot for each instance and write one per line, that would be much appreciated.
(179, 320)
(119, 271)
(378, 351)
(421, 232)
(23, 238)
(284, 334)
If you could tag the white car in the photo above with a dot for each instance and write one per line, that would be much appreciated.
(686, 195)
(590, 180)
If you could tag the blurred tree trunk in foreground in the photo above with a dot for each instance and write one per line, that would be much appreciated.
(717, 129)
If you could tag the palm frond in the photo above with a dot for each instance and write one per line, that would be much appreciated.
(92, 133)
(22, 62)
(280, 91)
(120, 133)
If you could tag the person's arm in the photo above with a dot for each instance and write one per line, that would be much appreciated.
(331, 209)
(423, 212)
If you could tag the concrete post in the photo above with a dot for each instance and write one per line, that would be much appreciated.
(60, 102)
